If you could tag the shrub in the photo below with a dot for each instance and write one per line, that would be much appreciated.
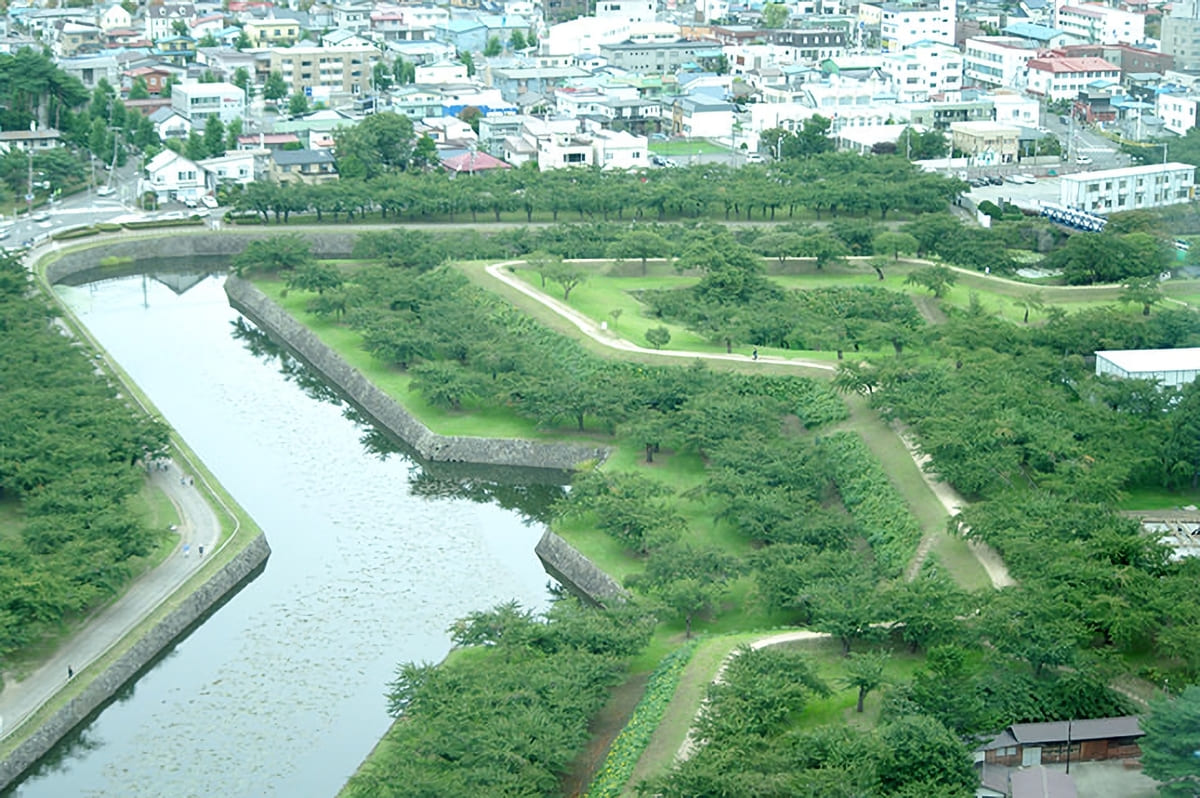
(79, 232)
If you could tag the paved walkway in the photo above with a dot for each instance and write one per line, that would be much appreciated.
(949, 498)
(199, 527)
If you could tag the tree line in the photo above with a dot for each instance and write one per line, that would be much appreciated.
(72, 454)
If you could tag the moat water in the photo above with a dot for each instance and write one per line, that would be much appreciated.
(280, 692)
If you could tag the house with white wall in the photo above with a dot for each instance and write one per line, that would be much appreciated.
(160, 20)
(198, 101)
(1016, 108)
(236, 167)
(171, 176)
(550, 143)
(699, 116)
(903, 25)
(1178, 112)
(617, 149)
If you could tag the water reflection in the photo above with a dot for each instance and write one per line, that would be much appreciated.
(279, 693)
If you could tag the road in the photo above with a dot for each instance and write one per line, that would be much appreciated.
(199, 527)
(946, 495)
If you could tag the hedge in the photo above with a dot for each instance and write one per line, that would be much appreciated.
(79, 232)
(163, 223)
(627, 749)
(107, 227)
(877, 507)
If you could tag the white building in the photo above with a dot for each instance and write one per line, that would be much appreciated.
(446, 71)
(172, 177)
(612, 149)
(160, 20)
(1128, 189)
(1170, 367)
(1015, 108)
(702, 117)
(923, 71)
(629, 10)
(903, 25)
(114, 16)
(1094, 23)
(1058, 78)
(239, 167)
(198, 101)
(550, 143)
(1178, 112)
(997, 61)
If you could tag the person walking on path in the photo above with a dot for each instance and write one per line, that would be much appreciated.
(754, 354)
(70, 672)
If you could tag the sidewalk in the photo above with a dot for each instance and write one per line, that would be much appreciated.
(199, 527)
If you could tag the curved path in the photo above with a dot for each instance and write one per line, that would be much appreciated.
(199, 527)
(949, 498)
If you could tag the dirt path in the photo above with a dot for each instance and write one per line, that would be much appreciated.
(690, 743)
(950, 499)
(200, 527)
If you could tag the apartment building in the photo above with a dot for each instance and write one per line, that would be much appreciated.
(271, 32)
(700, 116)
(997, 61)
(196, 102)
(1095, 23)
(1181, 34)
(658, 57)
(336, 72)
(904, 24)
(1134, 187)
(1060, 78)
(924, 71)
(550, 143)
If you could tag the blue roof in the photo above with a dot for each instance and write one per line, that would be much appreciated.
(1030, 30)
(1036, 5)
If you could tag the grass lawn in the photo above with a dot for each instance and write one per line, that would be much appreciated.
(1158, 499)
(685, 147)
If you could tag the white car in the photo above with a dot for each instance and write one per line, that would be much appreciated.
(41, 216)
(1083, 159)
(209, 202)
(105, 191)
(754, 157)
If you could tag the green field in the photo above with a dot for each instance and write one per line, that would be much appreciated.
(685, 147)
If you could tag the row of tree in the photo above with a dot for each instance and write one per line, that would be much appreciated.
(72, 453)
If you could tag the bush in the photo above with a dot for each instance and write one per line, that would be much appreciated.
(162, 223)
(107, 227)
(625, 751)
(872, 500)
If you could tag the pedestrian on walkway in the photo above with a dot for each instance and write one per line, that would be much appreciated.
(754, 354)
(70, 672)
(201, 551)
(187, 547)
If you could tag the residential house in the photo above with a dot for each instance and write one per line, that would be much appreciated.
(1041, 36)
(698, 116)
(269, 141)
(352, 16)
(1015, 108)
(550, 143)
(1060, 78)
(170, 124)
(494, 130)
(241, 167)
(126, 38)
(923, 71)
(415, 102)
(171, 176)
(91, 69)
(515, 82)
(207, 25)
(466, 35)
(809, 45)
(177, 50)
(1178, 111)
(445, 71)
(112, 17)
(502, 26)
(155, 79)
(1128, 58)
(75, 38)
(160, 20)
(272, 32)
(310, 167)
(617, 149)
(659, 57)
(41, 139)
(473, 162)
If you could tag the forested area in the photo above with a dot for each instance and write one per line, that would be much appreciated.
(71, 456)
(506, 716)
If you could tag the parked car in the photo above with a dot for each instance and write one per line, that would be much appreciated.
(1083, 160)
(105, 191)
(753, 157)
(658, 160)
(209, 202)
(41, 216)
(995, 180)
(658, 136)
(5, 234)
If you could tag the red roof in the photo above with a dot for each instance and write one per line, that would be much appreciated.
(474, 162)
(1086, 12)
(269, 138)
(1085, 64)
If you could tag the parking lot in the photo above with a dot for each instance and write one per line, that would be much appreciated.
(1028, 196)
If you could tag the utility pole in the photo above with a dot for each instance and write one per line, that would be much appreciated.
(29, 149)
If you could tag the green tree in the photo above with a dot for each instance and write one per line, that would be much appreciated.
(232, 131)
(313, 275)
(775, 15)
(493, 47)
(466, 58)
(640, 243)
(297, 105)
(938, 279)
(517, 40)
(568, 276)
(214, 136)
(1032, 300)
(688, 581)
(1145, 291)
(276, 87)
(139, 89)
(1171, 743)
(658, 337)
(241, 79)
(864, 672)
(471, 115)
(382, 76)
(895, 243)
(195, 148)
(924, 758)
(379, 144)
(273, 255)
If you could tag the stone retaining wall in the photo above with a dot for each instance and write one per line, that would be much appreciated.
(223, 584)
(385, 411)
(576, 572)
